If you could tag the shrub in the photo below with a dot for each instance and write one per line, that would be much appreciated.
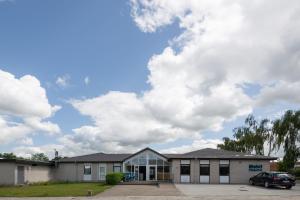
(114, 178)
(282, 167)
(297, 172)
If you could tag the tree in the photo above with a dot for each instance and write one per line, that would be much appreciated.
(287, 134)
(251, 137)
(228, 144)
(8, 156)
(265, 131)
(232, 145)
(39, 157)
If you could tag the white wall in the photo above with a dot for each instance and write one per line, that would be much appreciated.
(38, 173)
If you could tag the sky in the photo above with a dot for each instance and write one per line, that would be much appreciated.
(116, 76)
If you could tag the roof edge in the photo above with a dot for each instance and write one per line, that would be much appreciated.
(147, 148)
(23, 161)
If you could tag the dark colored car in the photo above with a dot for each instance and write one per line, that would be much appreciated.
(269, 179)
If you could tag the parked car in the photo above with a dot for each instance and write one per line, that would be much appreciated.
(269, 179)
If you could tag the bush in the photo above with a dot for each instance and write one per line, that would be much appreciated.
(282, 167)
(297, 172)
(114, 178)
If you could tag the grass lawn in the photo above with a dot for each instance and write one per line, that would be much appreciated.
(53, 190)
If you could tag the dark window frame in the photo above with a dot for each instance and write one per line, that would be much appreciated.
(204, 166)
(117, 166)
(224, 165)
(184, 167)
(86, 171)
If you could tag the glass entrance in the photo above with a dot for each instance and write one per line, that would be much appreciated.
(147, 166)
(152, 173)
(142, 173)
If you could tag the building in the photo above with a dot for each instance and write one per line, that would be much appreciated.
(14, 171)
(203, 166)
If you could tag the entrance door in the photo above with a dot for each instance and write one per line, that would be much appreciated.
(142, 173)
(102, 172)
(20, 175)
(152, 173)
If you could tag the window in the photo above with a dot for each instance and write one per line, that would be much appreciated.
(167, 175)
(135, 161)
(129, 168)
(87, 170)
(142, 159)
(152, 162)
(167, 169)
(281, 175)
(265, 175)
(204, 171)
(160, 173)
(255, 168)
(204, 168)
(117, 168)
(224, 167)
(160, 162)
(185, 168)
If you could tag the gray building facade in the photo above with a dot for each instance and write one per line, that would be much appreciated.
(205, 166)
(15, 172)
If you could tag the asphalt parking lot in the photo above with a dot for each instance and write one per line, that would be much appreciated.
(234, 190)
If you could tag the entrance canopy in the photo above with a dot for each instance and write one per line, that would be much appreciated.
(147, 165)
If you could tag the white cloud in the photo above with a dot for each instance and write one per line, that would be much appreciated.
(196, 145)
(26, 141)
(27, 151)
(12, 131)
(18, 95)
(24, 108)
(197, 81)
(63, 81)
(120, 119)
(86, 80)
(279, 92)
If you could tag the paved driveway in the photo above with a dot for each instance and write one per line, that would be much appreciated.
(187, 192)
(141, 190)
(244, 191)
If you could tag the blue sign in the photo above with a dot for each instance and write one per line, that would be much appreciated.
(255, 168)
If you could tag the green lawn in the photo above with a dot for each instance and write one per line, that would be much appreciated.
(52, 190)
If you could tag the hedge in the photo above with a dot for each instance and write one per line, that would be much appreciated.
(295, 172)
(114, 178)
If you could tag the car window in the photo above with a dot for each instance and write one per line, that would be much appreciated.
(259, 175)
(281, 175)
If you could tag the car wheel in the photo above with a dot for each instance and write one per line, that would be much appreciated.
(288, 187)
(266, 184)
(251, 182)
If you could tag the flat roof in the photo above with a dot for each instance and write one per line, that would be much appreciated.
(28, 162)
